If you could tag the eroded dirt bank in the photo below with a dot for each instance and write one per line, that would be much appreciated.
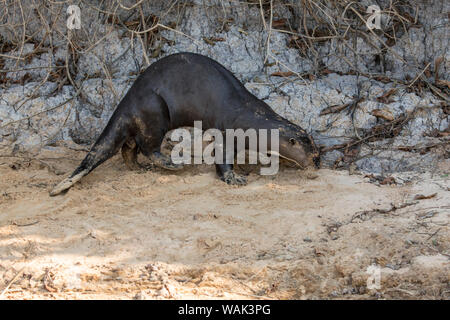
(155, 234)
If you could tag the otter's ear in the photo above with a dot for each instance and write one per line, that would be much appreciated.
(292, 141)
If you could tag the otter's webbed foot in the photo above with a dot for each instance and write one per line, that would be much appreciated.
(232, 178)
(164, 162)
(226, 174)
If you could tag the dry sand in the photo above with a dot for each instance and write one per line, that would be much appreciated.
(162, 235)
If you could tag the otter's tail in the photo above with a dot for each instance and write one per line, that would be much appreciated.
(108, 144)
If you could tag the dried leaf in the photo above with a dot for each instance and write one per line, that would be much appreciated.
(437, 64)
(385, 97)
(383, 114)
(436, 133)
(132, 23)
(282, 74)
(217, 39)
(383, 79)
(443, 83)
(334, 109)
(279, 23)
(422, 197)
(209, 41)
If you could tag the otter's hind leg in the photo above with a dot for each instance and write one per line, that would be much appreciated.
(129, 154)
(152, 127)
(150, 145)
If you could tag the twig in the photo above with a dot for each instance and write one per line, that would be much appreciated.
(11, 282)
(262, 14)
(418, 76)
(11, 57)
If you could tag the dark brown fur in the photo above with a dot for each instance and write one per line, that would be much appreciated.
(176, 91)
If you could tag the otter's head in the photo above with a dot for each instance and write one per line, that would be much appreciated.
(297, 145)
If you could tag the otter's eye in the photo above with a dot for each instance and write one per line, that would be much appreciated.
(292, 140)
